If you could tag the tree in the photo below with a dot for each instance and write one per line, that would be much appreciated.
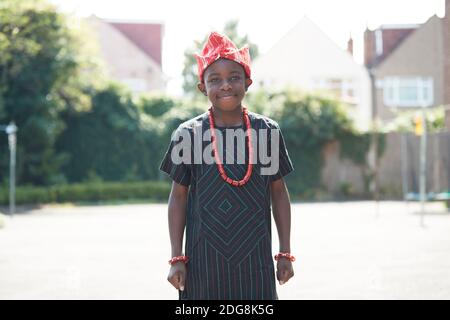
(190, 74)
(41, 75)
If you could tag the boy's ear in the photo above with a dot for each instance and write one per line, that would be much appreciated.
(248, 83)
(202, 88)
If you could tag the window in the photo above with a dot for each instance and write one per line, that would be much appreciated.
(135, 84)
(340, 88)
(348, 90)
(408, 91)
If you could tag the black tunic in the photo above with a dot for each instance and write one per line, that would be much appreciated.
(228, 228)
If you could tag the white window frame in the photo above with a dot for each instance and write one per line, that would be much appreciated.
(343, 85)
(391, 91)
(135, 84)
(347, 87)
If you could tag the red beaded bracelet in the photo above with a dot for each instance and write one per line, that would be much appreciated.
(284, 255)
(184, 259)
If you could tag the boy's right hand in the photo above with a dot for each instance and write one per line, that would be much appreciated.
(177, 275)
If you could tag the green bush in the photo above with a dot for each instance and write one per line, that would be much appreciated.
(90, 192)
(308, 122)
(155, 105)
(113, 140)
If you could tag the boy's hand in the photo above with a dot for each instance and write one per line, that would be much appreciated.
(285, 271)
(177, 275)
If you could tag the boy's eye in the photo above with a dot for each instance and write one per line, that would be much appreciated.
(217, 80)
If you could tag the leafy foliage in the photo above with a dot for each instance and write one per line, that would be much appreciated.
(307, 123)
(110, 140)
(40, 70)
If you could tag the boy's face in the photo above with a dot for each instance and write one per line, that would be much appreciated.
(225, 84)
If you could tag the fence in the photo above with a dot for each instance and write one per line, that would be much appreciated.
(397, 175)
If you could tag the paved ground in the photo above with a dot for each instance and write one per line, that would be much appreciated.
(344, 251)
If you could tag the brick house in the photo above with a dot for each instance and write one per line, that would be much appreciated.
(131, 52)
(409, 66)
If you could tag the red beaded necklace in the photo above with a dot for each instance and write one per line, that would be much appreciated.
(236, 183)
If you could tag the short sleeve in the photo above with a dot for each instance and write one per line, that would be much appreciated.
(178, 172)
(285, 163)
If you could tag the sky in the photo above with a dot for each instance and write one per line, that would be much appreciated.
(265, 22)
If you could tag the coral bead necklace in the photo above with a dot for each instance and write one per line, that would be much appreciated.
(236, 183)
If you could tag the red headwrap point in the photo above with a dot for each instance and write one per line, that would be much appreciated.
(220, 46)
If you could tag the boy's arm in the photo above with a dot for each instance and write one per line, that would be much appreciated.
(281, 208)
(282, 216)
(177, 217)
(177, 222)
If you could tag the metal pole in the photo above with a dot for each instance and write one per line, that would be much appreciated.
(405, 170)
(423, 164)
(11, 130)
(12, 177)
(404, 164)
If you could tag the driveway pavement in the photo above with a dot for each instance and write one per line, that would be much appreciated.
(344, 251)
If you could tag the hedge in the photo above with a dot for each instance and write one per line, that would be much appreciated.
(100, 191)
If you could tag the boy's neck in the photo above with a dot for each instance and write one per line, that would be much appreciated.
(227, 118)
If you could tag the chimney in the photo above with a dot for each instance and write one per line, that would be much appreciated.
(369, 48)
(446, 42)
(350, 45)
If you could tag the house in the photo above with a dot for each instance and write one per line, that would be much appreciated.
(131, 52)
(306, 58)
(410, 65)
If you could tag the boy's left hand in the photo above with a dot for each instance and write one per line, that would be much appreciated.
(285, 271)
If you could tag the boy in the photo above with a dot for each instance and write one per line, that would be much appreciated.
(226, 208)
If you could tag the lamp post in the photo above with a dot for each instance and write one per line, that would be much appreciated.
(11, 130)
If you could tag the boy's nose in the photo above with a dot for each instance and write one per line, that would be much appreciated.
(225, 85)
